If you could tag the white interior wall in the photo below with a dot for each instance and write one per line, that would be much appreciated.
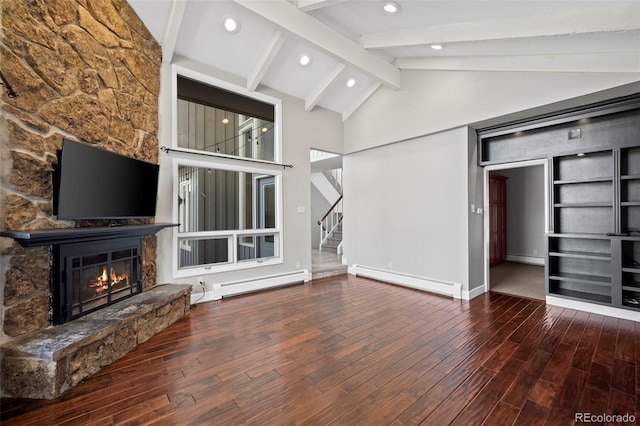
(476, 220)
(405, 207)
(525, 212)
(301, 130)
(399, 136)
(432, 101)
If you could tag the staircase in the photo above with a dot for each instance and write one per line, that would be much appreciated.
(331, 228)
(333, 242)
(326, 177)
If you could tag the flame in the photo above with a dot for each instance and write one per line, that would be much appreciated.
(101, 283)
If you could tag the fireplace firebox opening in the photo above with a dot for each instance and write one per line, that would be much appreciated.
(91, 275)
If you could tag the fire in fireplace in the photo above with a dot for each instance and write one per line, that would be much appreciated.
(95, 274)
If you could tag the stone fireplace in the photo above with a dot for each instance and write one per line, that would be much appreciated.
(87, 71)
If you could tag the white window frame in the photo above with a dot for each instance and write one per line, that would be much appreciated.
(227, 163)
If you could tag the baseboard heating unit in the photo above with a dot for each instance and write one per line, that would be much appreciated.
(219, 290)
(420, 283)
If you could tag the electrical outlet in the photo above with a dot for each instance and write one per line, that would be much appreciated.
(535, 251)
(201, 281)
(297, 265)
(390, 265)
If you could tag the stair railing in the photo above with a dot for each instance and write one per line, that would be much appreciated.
(330, 221)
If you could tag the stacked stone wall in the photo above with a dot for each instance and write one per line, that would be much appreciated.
(86, 70)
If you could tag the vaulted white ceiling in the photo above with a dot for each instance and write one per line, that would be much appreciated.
(357, 39)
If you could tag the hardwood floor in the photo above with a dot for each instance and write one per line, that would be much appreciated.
(347, 351)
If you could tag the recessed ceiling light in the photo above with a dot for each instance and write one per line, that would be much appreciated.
(304, 59)
(225, 121)
(391, 7)
(265, 130)
(231, 24)
(351, 82)
(436, 46)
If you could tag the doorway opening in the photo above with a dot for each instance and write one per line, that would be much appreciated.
(326, 214)
(515, 226)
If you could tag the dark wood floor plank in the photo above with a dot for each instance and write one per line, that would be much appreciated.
(606, 349)
(502, 415)
(543, 393)
(531, 342)
(558, 364)
(532, 414)
(600, 376)
(574, 333)
(517, 394)
(587, 346)
(623, 376)
(525, 328)
(621, 403)
(593, 401)
(448, 409)
(560, 326)
(483, 404)
(349, 350)
(568, 398)
(429, 400)
(625, 346)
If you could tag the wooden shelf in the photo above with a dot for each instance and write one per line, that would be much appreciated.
(586, 236)
(582, 205)
(630, 203)
(45, 237)
(629, 177)
(631, 270)
(578, 181)
(581, 295)
(580, 278)
(581, 255)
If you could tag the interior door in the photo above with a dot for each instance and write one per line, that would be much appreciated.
(497, 218)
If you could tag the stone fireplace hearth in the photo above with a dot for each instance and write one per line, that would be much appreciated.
(44, 364)
(87, 71)
(94, 330)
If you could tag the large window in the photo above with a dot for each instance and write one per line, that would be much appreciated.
(228, 191)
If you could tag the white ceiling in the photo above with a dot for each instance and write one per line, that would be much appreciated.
(358, 39)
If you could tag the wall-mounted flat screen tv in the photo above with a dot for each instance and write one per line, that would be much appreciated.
(92, 183)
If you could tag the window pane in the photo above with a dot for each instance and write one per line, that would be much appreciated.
(251, 247)
(223, 200)
(195, 252)
(210, 129)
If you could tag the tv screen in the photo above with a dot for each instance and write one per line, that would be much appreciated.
(92, 183)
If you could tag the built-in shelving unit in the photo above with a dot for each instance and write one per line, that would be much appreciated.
(630, 189)
(593, 239)
(583, 193)
(593, 254)
(579, 267)
(631, 273)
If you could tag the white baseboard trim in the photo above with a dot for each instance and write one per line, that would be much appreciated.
(419, 283)
(525, 259)
(468, 295)
(593, 308)
(233, 288)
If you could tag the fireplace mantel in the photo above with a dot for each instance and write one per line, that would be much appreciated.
(45, 237)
